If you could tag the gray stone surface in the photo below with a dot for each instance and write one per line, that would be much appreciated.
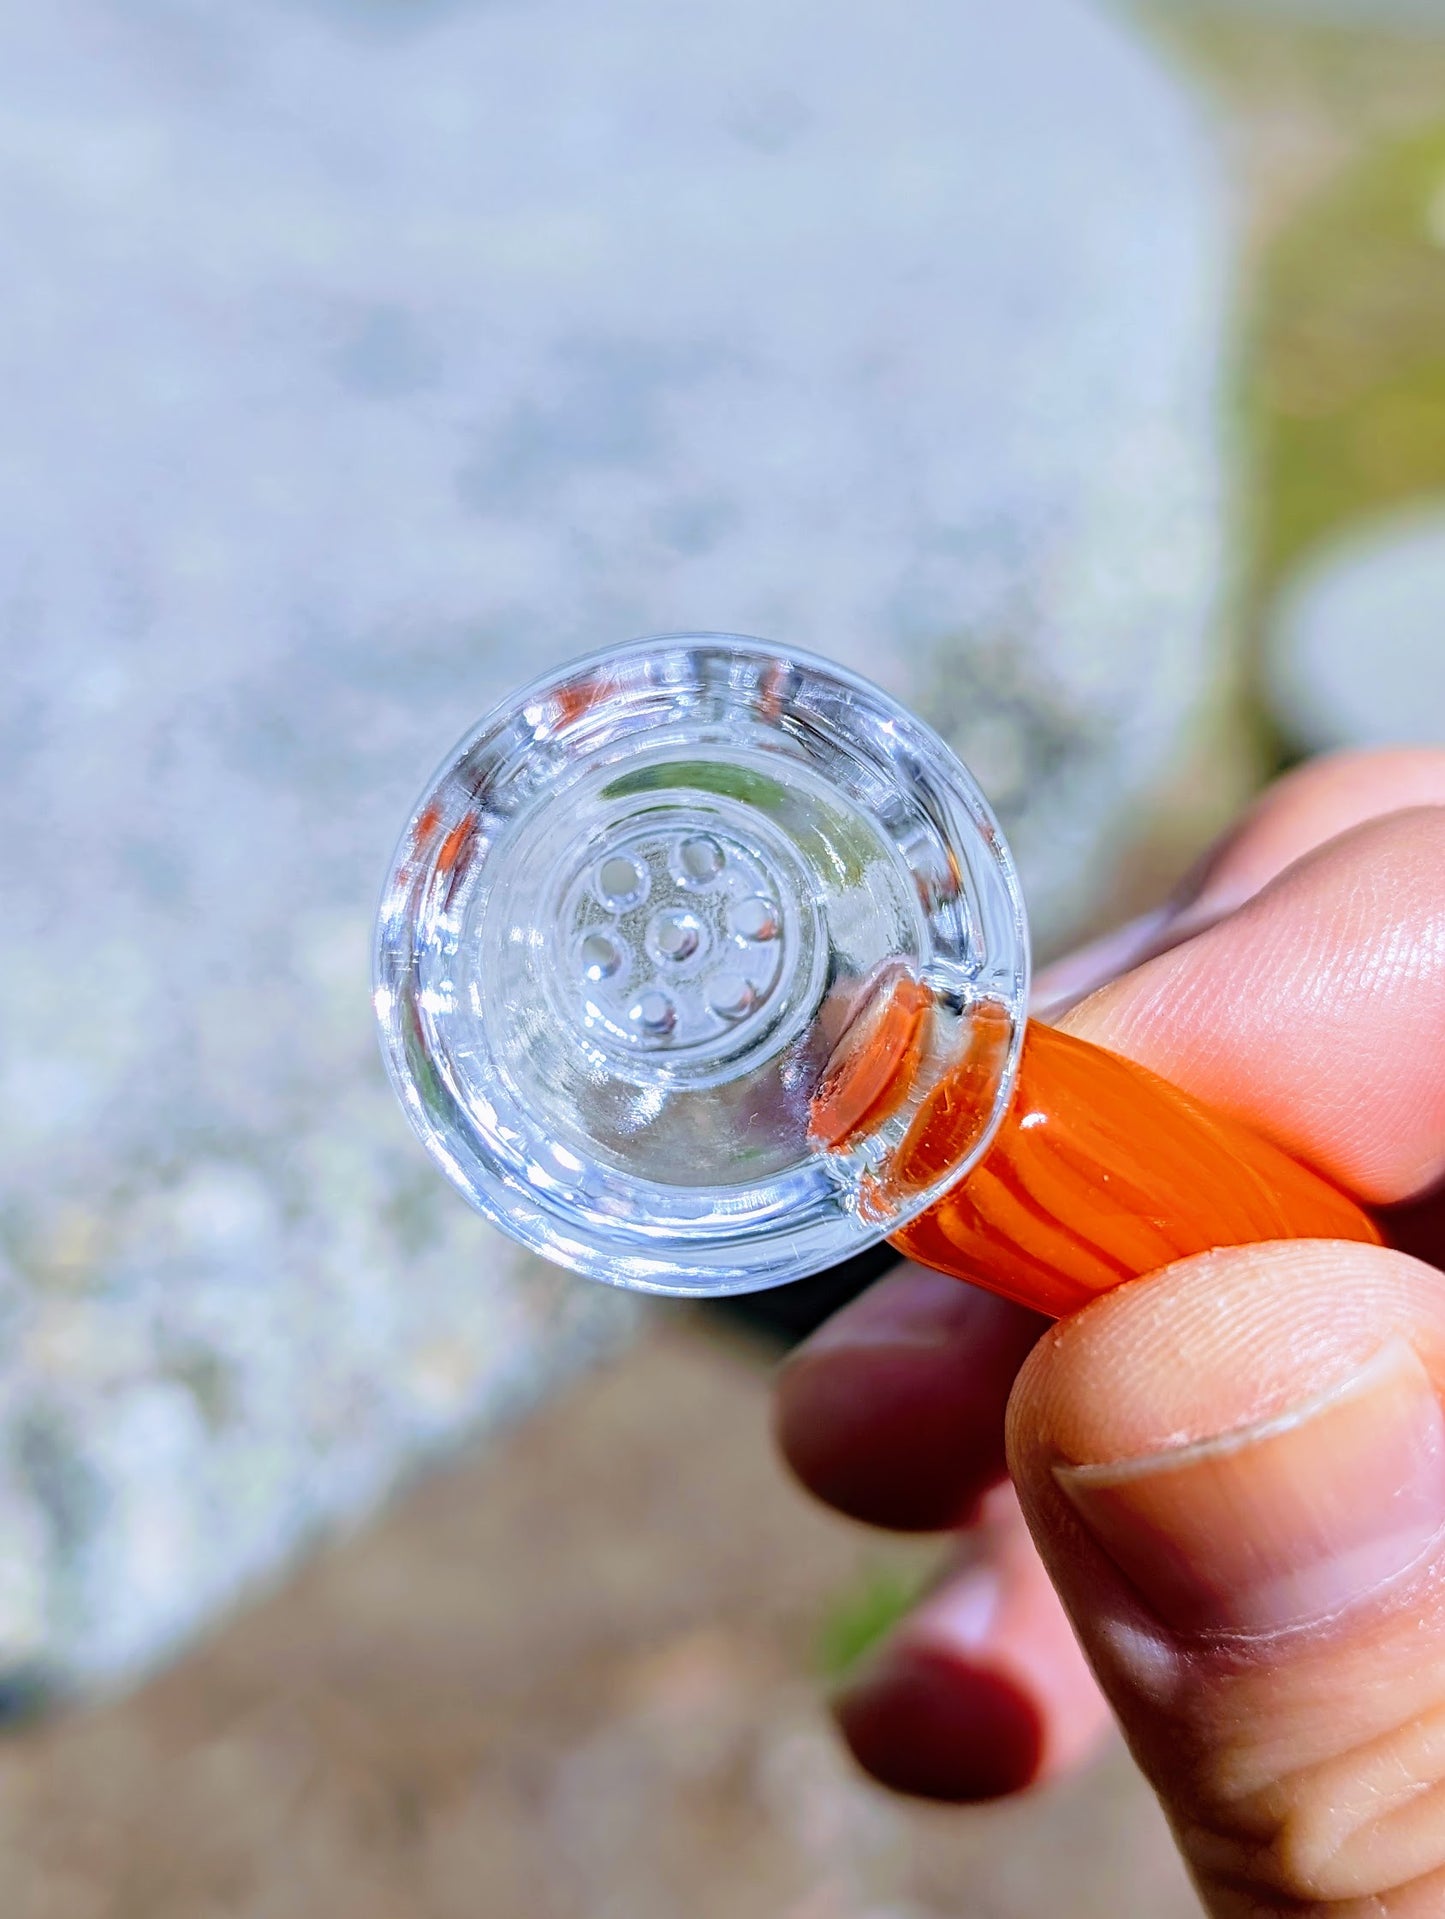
(359, 359)
(1357, 642)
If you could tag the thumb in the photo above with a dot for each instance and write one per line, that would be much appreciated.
(1235, 1472)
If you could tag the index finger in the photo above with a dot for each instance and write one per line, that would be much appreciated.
(892, 1414)
(1316, 1012)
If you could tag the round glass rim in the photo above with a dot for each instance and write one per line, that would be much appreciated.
(530, 1215)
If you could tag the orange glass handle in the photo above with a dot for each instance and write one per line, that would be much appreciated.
(1102, 1171)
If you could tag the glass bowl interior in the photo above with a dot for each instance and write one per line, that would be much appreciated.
(682, 955)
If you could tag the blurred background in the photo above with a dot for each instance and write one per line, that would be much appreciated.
(1078, 373)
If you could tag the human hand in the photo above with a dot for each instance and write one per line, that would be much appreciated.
(1234, 1472)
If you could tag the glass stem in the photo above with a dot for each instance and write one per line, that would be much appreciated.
(1102, 1171)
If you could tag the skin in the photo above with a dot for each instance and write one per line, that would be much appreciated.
(1215, 1497)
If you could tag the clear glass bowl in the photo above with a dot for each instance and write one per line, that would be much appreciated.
(673, 952)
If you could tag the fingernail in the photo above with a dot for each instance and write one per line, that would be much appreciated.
(893, 1410)
(929, 1715)
(1070, 979)
(1285, 1522)
(953, 1619)
(1193, 905)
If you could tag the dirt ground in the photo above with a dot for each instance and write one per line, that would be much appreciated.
(572, 1679)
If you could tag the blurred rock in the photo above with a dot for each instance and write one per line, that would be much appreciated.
(360, 359)
(1357, 650)
(612, 1714)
